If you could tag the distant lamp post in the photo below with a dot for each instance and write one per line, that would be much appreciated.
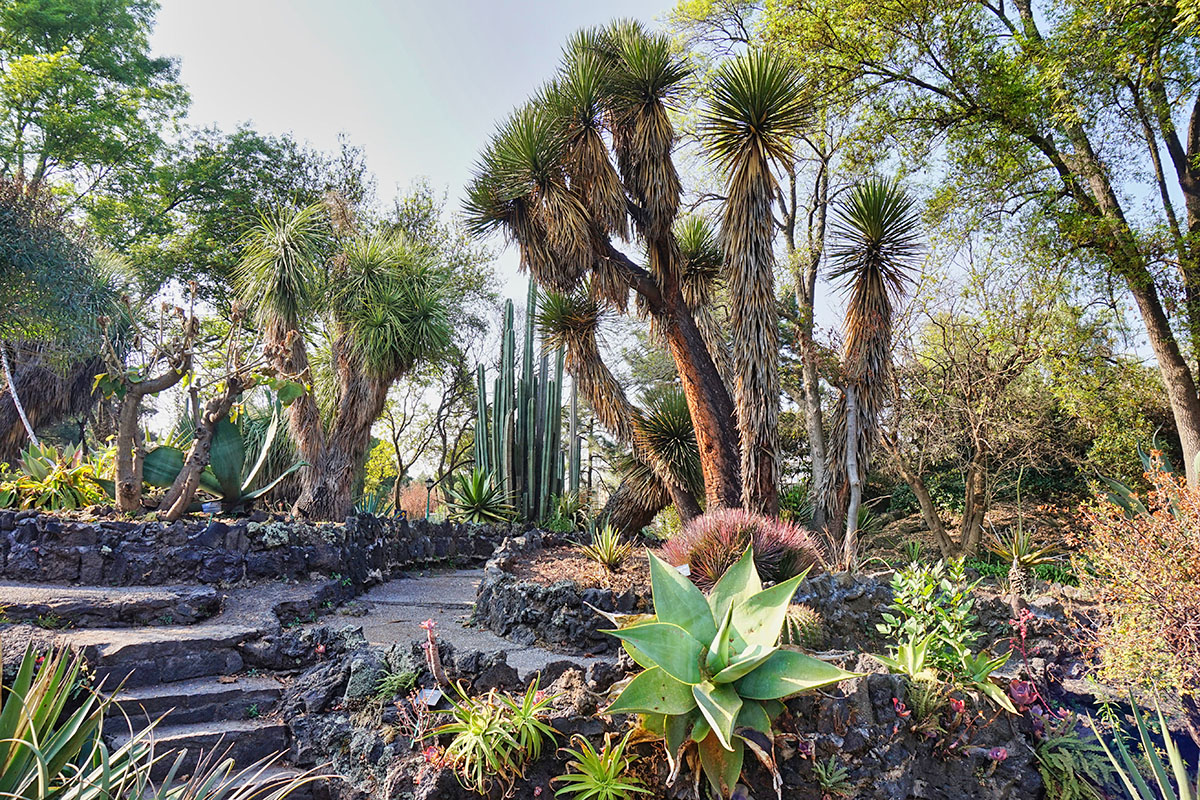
(429, 484)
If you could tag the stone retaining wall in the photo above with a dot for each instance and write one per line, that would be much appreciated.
(40, 548)
(557, 616)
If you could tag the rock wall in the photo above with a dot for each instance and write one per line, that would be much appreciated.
(41, 548)
(560, 616)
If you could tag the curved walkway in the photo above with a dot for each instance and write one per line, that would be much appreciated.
(398, 607)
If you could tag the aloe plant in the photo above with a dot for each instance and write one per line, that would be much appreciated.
(714, 675)
(1174, 786)
(229, 475)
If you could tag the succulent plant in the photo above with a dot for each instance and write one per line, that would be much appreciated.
(714, 674)
(802, 627)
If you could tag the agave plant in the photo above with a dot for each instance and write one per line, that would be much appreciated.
(1018, 549)
(474, 497)
(714, 674)
(228, 475)
(50, 480)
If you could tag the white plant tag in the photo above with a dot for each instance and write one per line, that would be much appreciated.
(684, 570)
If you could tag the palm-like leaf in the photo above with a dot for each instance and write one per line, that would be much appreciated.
(666, 437)
(389, 304)
(279, 273)
(646, 77)
(877, 246)
(520, 187)
(758, 108)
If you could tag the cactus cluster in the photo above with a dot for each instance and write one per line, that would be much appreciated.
(518, 437)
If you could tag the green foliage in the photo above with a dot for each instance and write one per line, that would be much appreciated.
(932, 602)
(713, 672)
(608, 548)
(795, 504)
(229, 474)
(832, 777)
(1174, 784)
(377, 503)
(50, 481)
(393, 683)
(474, 497)
(52, 745)
(603, 775)
(495, 737)
(1072, 763)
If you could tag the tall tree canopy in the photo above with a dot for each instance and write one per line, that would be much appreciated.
(81, 98)
(1076, 124)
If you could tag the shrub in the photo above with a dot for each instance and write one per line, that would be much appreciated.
(412, 500)
(711, 543)
(51, 481)
(1144, 571)
(933, 602)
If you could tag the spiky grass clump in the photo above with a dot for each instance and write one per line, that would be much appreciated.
(710, 544)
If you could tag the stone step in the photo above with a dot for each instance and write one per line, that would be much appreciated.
(245, 741)
(147, 656)
(107, 606)
(272, 778)
(199, 700)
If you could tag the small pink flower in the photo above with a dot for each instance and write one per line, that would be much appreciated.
(537, 791)
(432, 754)
(428, 625)
(998, 754)
(901, 709)
(958, 706)
(320, 649)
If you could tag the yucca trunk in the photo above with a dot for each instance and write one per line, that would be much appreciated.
(329, 493)
(748, 233)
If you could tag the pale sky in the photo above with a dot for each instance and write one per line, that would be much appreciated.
(419, 85)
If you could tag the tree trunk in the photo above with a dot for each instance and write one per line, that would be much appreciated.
(130, 452)
(975, 504)
(130, 447)
(929, 513)
(183, 489)
(711, 408)
(12, 391)
(850, 542)
(361, 398)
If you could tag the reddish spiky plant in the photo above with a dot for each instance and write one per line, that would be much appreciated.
(710, 544)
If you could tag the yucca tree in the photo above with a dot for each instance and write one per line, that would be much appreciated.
(585, 164)
(377, 299)
(876, 228)
(757, 109)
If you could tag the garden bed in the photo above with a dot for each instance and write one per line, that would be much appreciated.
(540, 589)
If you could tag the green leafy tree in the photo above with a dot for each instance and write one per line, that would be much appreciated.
(1046, 115)
(81, 98)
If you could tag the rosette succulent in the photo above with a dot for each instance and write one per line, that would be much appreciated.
(714, 676)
